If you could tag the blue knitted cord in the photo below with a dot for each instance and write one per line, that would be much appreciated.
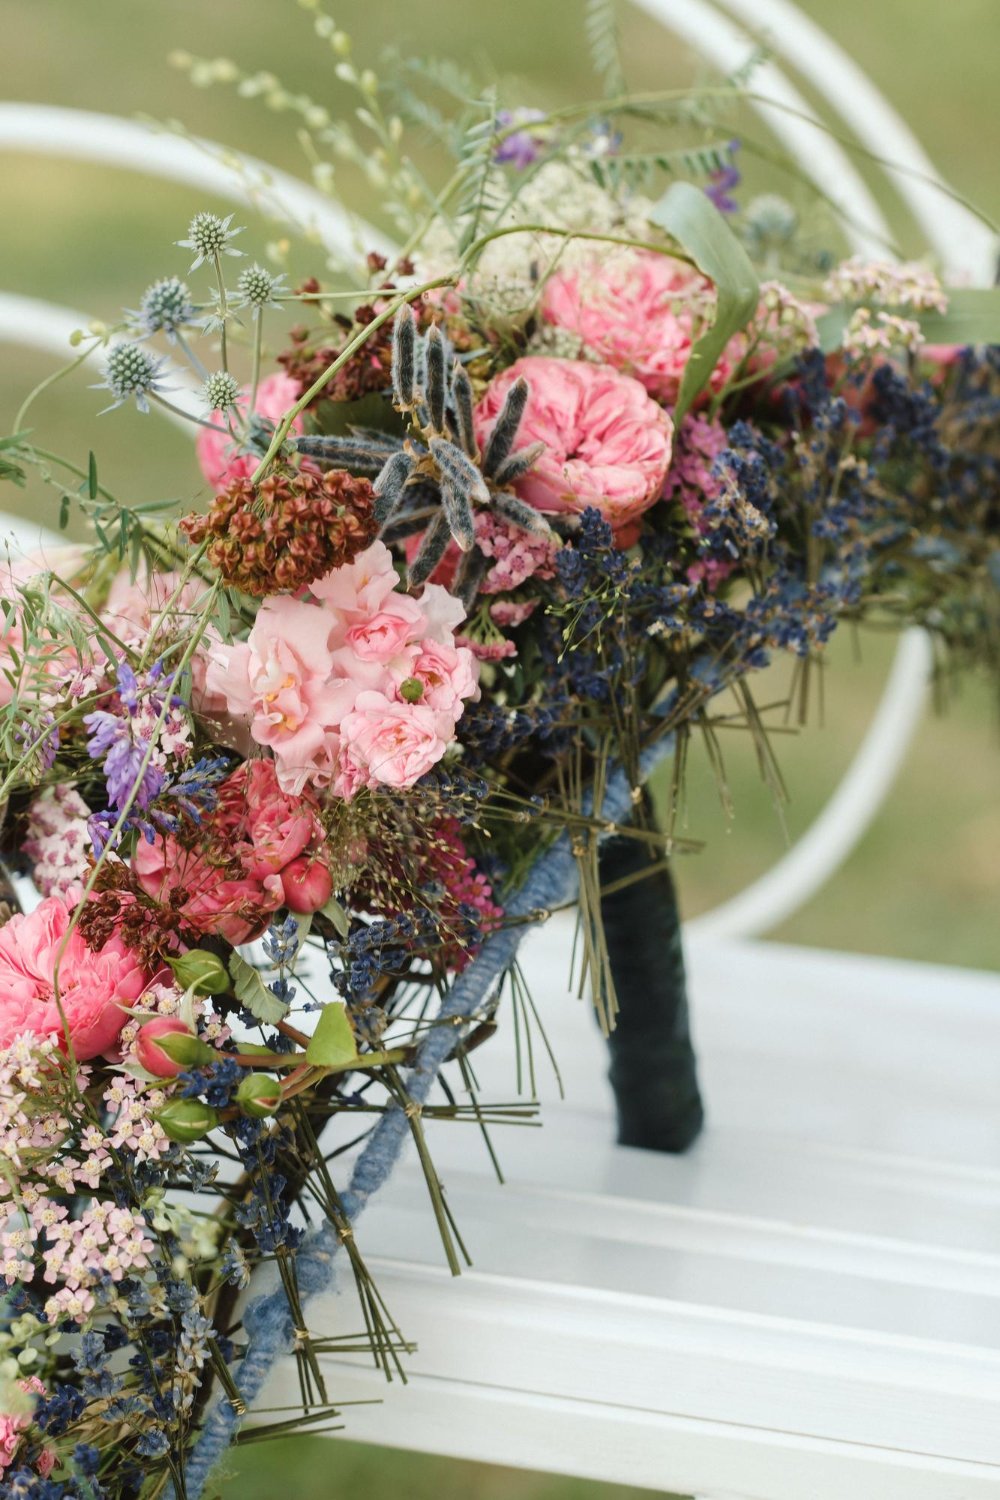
(267, 1320)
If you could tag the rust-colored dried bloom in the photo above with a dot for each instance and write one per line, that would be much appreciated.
(289, 530)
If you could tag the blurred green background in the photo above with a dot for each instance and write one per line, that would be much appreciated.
(924, 882)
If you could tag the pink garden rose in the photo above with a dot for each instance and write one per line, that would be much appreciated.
(95, 989)
(232, 883)
(220, 464)
(13, 1424)
(638, 311)
(607, 443)
(307, 663)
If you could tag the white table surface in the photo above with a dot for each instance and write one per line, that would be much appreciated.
(804, 1307)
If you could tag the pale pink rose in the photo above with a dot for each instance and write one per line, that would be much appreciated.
(448, 675)
(217, 456)
(358, 590)
(13, 1424)
(390, 744)
(232, 883)
(95, 989)
(607, 443)
(385, 634)
(443, 613)
(281, 681)
(640, 312)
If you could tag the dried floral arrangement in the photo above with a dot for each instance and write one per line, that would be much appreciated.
(487, 534)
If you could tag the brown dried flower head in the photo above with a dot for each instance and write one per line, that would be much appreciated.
(287, 531)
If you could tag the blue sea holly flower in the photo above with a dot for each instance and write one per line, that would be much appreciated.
(208, 237)
(131, 371)
(166, 307)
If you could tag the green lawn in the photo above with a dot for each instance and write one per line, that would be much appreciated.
(924, 882)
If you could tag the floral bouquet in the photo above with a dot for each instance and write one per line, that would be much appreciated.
(488, 533)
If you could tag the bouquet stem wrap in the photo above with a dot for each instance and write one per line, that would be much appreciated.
(267, 1320)
(653, 1071)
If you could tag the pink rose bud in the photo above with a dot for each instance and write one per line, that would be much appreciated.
(153, 1057)
(307, 885)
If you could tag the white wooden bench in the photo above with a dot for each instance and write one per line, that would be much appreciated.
(807, 1305)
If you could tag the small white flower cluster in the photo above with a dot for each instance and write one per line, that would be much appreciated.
(790, 325)
(883, 333)
(883, 282)
(513, 267)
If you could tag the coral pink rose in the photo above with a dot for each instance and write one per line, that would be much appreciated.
(607, 443)
(390, 744)
(151, 1056)
(95, 989)
(234, 885)
(640, 312)
(219, 461)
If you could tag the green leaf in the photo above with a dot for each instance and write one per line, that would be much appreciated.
(335, 913)
(690, 218)
(92, 476)
(251, 991)
(973, 317)
(332, 1044)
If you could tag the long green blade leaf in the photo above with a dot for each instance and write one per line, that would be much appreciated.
(696, 224)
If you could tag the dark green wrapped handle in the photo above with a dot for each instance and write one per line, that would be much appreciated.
(653, 1070)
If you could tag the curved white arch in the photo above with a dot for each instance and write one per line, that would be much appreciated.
(49, 130)
(44, 325)
(967, 247)
(824, 160)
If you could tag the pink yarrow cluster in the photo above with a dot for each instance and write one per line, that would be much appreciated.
(358, 686)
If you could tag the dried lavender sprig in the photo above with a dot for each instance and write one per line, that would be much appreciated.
(462, 406)
(390, 484)
(454, 465)
(435, 383)
(432, 549)
(518, 464)
(458, 511)
(404, 339)
(504, 433)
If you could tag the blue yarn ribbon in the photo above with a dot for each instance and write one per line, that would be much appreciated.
(267, 1320)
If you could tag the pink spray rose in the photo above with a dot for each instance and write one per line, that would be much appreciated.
(95, 989)
(307, 663)
(390, 743)
(607, 443)
(640, 312)
(232, 883)
(219, 462)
